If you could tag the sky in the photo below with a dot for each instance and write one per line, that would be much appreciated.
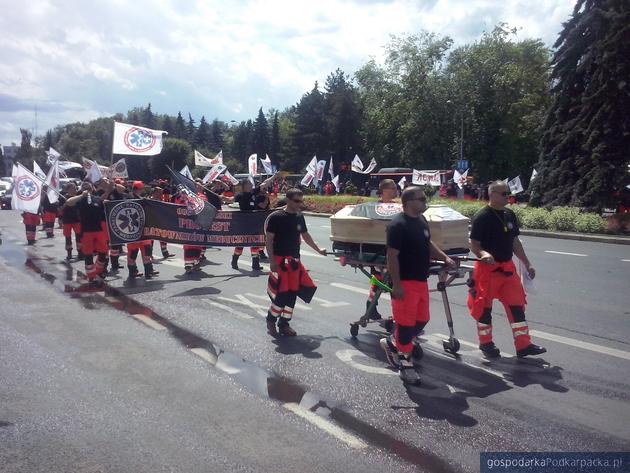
(72, 60)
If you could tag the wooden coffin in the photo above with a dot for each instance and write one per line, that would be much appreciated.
(449, 229)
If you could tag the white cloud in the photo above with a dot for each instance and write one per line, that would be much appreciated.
(222, 59)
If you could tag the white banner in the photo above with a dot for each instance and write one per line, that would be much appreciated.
(52, 155)
(119, 169)
(137, 140)
(27, 190)
(357, 164)
(331, 171)
(214, 173)
(335, 181)
(186, 172)
(534, 174)
(319, 173)
(426, 178)
(267, 164)
(218, 159)
(402, 181)
(52, 181)
(515, 185)
(231, 178)
(38, 171)
(307, 179)
(311, 167)
(459, 178)
(252, 164)
(202, 161)
(92, 171)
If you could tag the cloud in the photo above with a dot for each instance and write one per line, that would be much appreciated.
(220, 59)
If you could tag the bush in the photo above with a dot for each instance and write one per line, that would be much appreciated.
(536, 218)
(519, 212)
(590, 223)
(563, 219)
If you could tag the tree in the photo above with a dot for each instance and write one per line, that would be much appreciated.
(180, 127)
(25, 152)
(310, 124)
(203, 135)
(261, 135)
(191, 130)
(274, 145)
(167, 125)
(584, 147)
(217, 140)
(175, 153)
(148, 119)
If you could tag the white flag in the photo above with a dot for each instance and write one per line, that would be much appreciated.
(335, 181)
(38, 171)
(119, 169)
(202, 161)
(186, 172)
(214, 173)
(402, 181)
(52, 155)
(311, 167)
(319, 174)
(307, 179)
(357, 164)
(534, 174)
(426, 178)
(92, 171)
(52, 181)
(515, 185)
(250, 178)
(14, 170)
(131, 139)
(267, 164)
(218, 159)
(460, 178)
(231, 178)
(331, 171)
(27, 190)
(252, 164)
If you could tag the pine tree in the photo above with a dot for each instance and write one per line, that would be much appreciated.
(217, 140)
(148, 119)
(203, 135)
(191, 130)
(261, 135)
(310, 123)
(167, 125)
(180, 127)
(274, 145)
(584, 147)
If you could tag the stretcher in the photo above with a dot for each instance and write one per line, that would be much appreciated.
(368, 258)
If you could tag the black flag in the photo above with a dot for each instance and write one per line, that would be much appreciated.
(200, 211)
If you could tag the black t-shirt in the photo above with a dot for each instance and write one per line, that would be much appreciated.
(247, 200)
(411, 237)
(91, 213)
(69, 214)
(287, 229)
(47, 206)
(495, 230)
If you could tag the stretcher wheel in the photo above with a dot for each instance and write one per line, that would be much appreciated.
(417, 352)
(451, 346)
(354, 330)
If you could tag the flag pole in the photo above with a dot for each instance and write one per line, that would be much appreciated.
(113, 134)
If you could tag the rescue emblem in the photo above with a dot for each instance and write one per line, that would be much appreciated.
(27, 189)
(126, 220)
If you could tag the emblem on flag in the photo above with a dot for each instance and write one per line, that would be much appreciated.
(126, 220)
(138, 140)
(26, 188)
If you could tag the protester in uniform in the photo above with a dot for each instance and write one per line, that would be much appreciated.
(49, 213)
(388, 191)
(249, 199)
(494, 239)
(288, 278)
(143, 247)
(117, 191)
(30, 223)
(409, 249)
(158, 194)
(70, 218)
(93, 239)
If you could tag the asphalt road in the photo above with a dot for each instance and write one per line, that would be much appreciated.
(195, 359)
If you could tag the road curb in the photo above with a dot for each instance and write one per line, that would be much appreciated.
(613, 239)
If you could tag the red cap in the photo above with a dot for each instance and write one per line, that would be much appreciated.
(139, 185)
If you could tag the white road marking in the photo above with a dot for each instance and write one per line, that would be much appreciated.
(563, 253)
(240, 299)
(325, 226)
(239, 314)
(266, 298)
(325, 303)
(148, 321)
(205, 355)
(347, 357)
(326, 425)
(626, 260)
(580, 344)
(358, 290)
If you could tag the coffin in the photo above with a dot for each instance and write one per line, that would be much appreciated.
(362, 227)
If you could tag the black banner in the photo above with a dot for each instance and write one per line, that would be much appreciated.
(143, 219)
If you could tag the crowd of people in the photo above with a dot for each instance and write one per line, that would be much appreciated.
(494, 241)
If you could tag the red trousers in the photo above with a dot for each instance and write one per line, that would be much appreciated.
(291, 281)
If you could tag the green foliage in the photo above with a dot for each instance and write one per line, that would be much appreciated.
(536, 218)
(563, 218)
(590, 223)
(175, 153)
(261, 135)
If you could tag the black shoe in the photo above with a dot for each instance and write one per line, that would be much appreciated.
(390, 352)
(256, 264)
(408, 373)
(30, 242)
(133, 273)
(271, 327)
(188, 269)
(69, 257)
(235, 261)
(286, 330)
(490, 350)
(531, 349)
(168, 255)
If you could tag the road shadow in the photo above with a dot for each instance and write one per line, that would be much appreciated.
(524, 372)
(199, 291)
(304, 345)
